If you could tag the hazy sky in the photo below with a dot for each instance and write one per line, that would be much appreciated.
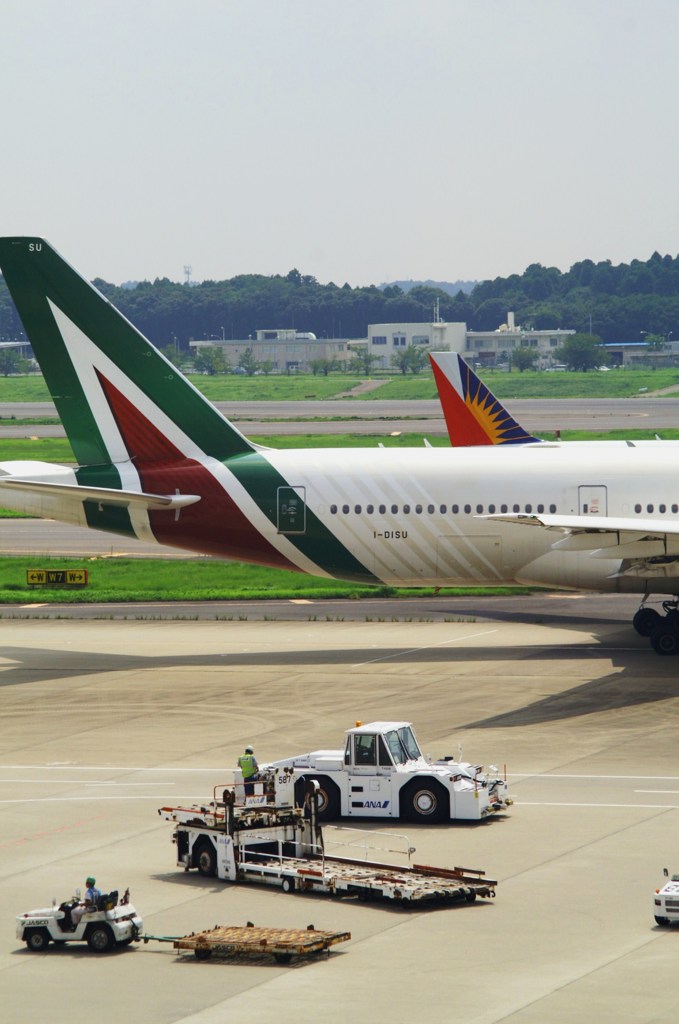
(357, 140)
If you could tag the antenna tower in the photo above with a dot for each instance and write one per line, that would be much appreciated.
(187, 272)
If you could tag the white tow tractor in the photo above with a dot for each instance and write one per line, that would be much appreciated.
(381, 773)
(111, 923)
(666, 901)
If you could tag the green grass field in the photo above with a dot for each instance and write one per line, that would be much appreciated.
(614, 384)
(230, 388)
(198, 579)
(55, 449)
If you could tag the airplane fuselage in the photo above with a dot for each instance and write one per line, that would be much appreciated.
(409, 517)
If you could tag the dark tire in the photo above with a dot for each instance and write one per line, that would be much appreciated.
(37, 939)
(646, 620)
(205, 859)
(201, 953)
(470, 897)
(288, 885)
(282, 958)
(328, 796)
(425, 801)
(665, 640)
(99, 938)
(662, 921)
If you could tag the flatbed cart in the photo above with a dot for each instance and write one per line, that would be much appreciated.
(281, 943)
(266, 839)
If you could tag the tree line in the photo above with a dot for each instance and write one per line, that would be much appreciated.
(615, 303)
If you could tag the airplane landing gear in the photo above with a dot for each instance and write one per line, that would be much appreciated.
(662, 630)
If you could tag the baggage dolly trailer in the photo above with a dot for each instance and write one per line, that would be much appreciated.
(282, 943)
(266, 839)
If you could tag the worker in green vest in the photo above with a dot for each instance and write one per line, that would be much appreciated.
(247, 763)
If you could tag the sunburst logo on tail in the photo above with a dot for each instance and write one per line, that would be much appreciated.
(473, 414)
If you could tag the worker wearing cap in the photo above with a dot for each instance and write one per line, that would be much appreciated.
(247, 763)
(92, 894)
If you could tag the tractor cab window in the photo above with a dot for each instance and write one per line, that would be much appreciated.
(385, 759)
(364, 749)
(410, 743)
(402, 745)
(347, 751)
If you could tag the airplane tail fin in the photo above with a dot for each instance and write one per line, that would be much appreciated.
(118, 397)
(473, 414)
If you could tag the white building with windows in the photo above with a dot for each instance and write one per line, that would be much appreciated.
(488, 347)
(386, 340)
(496, 347)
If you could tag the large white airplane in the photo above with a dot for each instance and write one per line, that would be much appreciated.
(159, 462)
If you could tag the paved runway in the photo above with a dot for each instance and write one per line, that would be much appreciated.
(418, 416)
(104, 721)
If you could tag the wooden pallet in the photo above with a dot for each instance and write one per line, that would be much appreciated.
(281, 943)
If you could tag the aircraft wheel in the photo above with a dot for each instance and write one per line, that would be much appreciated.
(646, 620)
(665, 640)
(37, 939)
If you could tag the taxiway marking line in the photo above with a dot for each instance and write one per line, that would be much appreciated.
(566, 803)
(616, 778)
(427, 647)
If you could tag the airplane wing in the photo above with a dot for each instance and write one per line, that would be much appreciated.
(103, 495)
(643, 542)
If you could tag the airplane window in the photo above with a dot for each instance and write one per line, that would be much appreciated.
(675, 508)
(637, 508)
(649, 508)
(443, 509)
(515, 508)
(430, 509)
(383, 509)
(479, 509)
(345, 509)
(541, 508)
(491, 509)
(467, 509)
(552, 508)
(394, 509)
(662, 508)
(333, 509)
(529, 508)
(406, 510)
(418, 509)
(357, 509)
(370, 509)
(503, 508)
(454, 509)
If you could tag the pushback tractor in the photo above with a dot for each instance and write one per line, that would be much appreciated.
(382, 773)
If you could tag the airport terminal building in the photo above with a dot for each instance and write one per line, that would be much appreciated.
(288, 350)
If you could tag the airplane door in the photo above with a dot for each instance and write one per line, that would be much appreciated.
(593, 500)
(291, 508)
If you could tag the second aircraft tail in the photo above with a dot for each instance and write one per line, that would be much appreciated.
(473, 414)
